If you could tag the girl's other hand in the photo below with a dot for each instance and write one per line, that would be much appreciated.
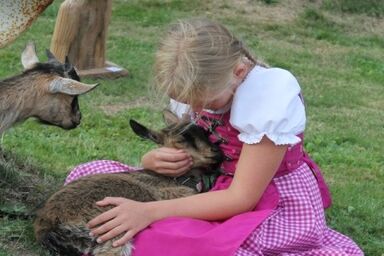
(128, 217)
(168, 161)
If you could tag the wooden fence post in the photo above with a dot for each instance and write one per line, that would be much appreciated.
(80, 33)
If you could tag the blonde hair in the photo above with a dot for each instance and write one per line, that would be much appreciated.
(197, 56)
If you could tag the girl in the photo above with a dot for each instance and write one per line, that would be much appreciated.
(271, 196)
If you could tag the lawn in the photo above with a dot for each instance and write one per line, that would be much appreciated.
(336, 50)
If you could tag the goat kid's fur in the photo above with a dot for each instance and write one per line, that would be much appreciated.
(60, 225)
(47, 91)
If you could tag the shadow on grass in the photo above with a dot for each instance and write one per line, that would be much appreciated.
(23, 187)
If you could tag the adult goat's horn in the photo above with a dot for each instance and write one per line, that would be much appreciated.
(17, 15)
(69, 86)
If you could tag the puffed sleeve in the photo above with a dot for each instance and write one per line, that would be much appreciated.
(268, 103)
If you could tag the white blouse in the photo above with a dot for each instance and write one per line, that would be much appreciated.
(179, 108)
(266, 103)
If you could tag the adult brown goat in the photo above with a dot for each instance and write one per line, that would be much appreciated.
(60, 225)
(47, 91)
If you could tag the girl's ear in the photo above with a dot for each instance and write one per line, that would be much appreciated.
(240, 70)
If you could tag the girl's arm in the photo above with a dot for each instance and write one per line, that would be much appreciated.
(255, 169)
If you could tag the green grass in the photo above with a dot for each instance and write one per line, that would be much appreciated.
(368, 7)
(335, 49)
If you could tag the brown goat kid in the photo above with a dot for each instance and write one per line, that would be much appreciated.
(60, 225)
(47, 91)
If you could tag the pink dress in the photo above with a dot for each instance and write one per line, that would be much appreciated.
(288, 220)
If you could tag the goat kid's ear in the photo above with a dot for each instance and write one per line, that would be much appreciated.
(28, 57)
(144, 132)
(69, 86)
(170, 117)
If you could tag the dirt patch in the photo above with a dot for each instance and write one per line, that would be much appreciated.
(258, 12)
(362, 25)
(113, 109)
(286, 12)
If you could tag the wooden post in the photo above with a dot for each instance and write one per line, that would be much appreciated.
(80, 33)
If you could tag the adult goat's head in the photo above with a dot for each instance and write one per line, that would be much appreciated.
(57, 86)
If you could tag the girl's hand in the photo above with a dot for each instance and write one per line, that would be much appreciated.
(168, 161)
(127, 217)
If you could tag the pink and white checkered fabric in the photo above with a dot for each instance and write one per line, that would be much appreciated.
(298, 226)
(96, 167)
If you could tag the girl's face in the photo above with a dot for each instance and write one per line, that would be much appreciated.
(218, 101)
(223, 99)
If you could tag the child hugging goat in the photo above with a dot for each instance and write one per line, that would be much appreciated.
(270, 197)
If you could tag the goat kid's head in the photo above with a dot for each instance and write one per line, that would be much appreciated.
(184, 134)
(58, 85)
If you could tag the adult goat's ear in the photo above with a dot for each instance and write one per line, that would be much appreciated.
(28, 57)
(70, 71)
(69, 86)
(51, 56)
(67, 64)
(145, 133)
